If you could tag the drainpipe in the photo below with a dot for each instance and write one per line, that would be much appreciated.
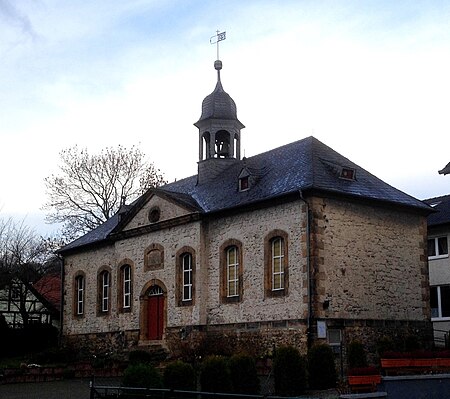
(310, 318)
(61, 304)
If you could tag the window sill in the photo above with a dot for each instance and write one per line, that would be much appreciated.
(438, 257)
(440, 319)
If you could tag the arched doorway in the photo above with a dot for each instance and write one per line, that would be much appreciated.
(155, 313)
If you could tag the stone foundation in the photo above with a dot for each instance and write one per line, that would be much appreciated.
(191, 343)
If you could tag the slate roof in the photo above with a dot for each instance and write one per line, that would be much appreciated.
(306, 165)
(442, 207)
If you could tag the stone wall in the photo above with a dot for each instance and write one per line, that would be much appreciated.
(369, 262)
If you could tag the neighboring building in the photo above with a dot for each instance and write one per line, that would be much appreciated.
(39, 301)
(291, 246)
(439, 266)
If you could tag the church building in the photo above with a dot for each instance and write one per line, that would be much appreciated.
(296, 245)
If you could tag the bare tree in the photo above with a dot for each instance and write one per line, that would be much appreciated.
(24, 258)
(90, 188)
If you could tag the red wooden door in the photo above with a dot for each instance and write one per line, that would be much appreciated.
(155, 317)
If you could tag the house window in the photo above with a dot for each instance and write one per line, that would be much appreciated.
(243, 183)
(104, 287)
(438, 247)
(276, 264)
(440, 301)
(231, 270)
(185, 276)
(348, 174)
(79, 295)
(125, 287)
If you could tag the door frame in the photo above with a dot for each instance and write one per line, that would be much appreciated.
(144, 309)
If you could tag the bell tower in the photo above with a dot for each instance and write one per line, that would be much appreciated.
(219, 132)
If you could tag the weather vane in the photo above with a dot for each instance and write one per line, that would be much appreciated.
(218, 37)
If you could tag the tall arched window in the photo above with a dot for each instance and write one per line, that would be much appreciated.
(79, 295)
(276, 273)
(186, 261)
(185, 276)
(231, 270)
(277, 263)
(104, 289)
(125, 287)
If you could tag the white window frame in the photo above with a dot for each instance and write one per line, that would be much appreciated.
(80, 294)
(126, 277)
(105, 278)
(233, 282)
(186, 265)
(280, 257)
(436, 247)
(439, 299)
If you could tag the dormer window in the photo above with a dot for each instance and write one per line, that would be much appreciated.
(243, 183)
(348, 174)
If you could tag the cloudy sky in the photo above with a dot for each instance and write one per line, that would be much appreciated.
(371, 79)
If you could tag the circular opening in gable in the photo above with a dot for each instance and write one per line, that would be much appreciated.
(154, 215)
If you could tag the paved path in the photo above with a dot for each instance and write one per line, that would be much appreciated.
(66, 389)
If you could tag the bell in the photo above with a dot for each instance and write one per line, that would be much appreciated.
(223, 149)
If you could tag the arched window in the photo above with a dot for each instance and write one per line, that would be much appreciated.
(277, 252)
(231, 270)
(104, 289)
(186, 261)
(276, 274)
(79, 293)
(125, 287)
(185, 276)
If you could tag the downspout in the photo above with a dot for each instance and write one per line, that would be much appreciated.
(310, 317)
(61, 303)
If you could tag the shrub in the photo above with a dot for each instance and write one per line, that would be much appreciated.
(385, 344)
(321, 367)
(356, 355)
(139, 357)
(179, 375)
(141, 375)
(244, 376)
(289, 371)
(215, 375)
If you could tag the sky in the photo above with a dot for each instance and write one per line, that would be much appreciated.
(371, 79)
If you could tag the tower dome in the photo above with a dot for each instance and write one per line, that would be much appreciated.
(219, 104)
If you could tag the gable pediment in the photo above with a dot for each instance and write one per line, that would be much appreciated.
(155, 208)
